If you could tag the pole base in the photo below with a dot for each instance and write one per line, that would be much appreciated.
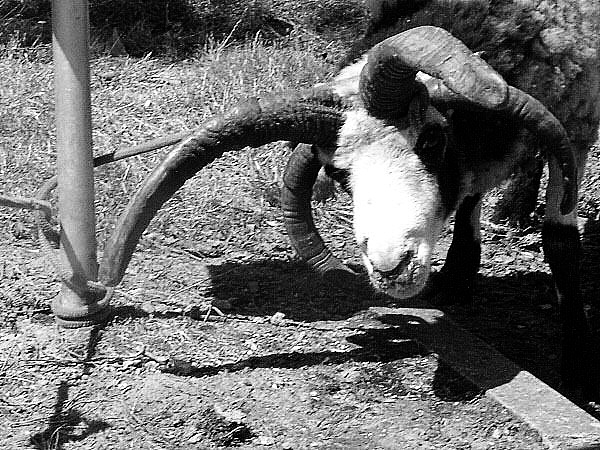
(71, 311)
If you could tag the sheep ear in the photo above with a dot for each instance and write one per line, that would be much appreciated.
(431, 144)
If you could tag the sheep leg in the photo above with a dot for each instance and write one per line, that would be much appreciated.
(520, 198)
(580, 362)
(464, 254)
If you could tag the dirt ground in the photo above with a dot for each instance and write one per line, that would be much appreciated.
(291, 363)
(159, 376)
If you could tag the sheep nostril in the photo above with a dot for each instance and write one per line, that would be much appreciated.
(399, 269)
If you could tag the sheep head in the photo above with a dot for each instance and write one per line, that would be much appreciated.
(398, 177)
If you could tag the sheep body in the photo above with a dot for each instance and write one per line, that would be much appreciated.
(416, 150)
(549, 49)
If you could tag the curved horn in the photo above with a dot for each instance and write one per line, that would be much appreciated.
(300, 118)
(388, 83)
(299, 177)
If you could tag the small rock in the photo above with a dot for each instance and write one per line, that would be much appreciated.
(266, 441)
(277, 318)
(231, 415)
(161, 308)
(178, 367)
(527, 256)
(148, 308)
(195, 438)
(161, 359)
(108, 75)
(287, 446)
(19, 230)
(350, 376)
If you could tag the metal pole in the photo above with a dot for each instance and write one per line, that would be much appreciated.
(75, 305)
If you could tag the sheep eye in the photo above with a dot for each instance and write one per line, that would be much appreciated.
(431, 144)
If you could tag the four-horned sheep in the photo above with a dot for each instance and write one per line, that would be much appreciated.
(447, 101)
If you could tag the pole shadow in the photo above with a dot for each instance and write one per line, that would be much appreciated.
(68, 424)
(62, 425)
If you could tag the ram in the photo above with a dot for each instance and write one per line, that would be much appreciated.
(419, 128)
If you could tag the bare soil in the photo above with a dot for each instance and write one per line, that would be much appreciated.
(292, 363)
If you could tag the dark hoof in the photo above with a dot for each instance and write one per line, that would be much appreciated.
(447, 289)
(581, 371)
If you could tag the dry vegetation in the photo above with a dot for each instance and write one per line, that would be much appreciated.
(165, 374)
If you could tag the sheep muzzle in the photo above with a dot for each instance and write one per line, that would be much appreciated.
(404, 281)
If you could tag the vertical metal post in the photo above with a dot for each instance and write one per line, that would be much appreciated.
(75, 305)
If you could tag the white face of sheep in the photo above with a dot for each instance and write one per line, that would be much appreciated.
(398, 212)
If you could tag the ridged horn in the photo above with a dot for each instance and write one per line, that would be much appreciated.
(388, 84)
(304, 117)
(300, 175)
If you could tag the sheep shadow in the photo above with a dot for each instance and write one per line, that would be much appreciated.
(590, 268)
(385, 346)
(266, 287)
(516, 314)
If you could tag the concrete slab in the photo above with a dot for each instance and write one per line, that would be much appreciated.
(561, 423)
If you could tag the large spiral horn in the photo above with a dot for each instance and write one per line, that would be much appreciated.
(388, 82)
(313, 117)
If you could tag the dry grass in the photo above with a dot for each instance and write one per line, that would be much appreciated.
(228, 212)
(178, 28)
(137, 99)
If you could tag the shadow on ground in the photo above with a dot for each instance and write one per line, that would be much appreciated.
(386, 346)
(516, 314)
(266, 287)
(68, 424)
